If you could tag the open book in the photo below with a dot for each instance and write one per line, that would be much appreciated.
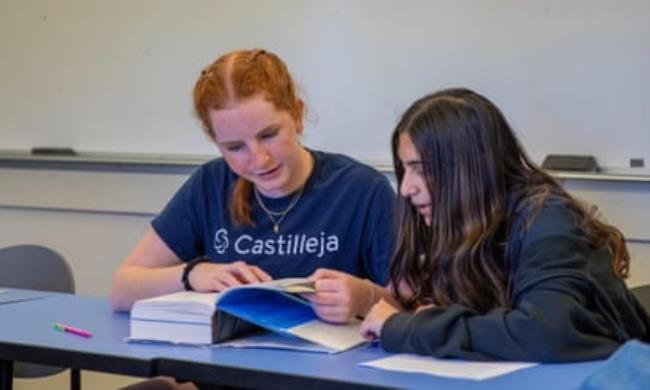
(206, 318)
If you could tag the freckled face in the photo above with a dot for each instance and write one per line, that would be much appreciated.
(413, 185)
(261, 144)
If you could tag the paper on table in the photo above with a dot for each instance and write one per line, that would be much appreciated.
(446, 368)
(15, 296)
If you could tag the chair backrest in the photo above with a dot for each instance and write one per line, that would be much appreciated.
(35, 267)
(38, 268)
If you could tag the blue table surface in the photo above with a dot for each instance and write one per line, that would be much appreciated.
(29, 323)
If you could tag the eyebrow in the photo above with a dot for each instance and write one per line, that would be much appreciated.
(274, 126)
(412, 163)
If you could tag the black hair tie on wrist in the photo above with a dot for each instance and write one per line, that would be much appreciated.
(185, 278)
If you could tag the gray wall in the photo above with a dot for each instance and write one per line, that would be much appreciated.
(116, 76)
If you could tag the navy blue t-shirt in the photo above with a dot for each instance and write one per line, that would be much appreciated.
(343, 220)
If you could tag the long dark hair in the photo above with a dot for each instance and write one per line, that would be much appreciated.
(478, 177)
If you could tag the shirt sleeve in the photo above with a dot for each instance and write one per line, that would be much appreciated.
(562, 306)
(179, 224)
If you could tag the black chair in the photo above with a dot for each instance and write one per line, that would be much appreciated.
(38, 268)
(642, 294)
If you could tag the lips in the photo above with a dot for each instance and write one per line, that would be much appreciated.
(423, 209)
(269, 173)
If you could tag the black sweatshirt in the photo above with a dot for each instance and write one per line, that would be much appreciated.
(567, 305)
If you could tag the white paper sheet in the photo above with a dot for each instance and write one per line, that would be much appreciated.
(446, 368)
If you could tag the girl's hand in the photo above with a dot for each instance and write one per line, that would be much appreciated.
(374, 321)
(339, 296)
(210, 277)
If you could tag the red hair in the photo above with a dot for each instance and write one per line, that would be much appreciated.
(236, 76)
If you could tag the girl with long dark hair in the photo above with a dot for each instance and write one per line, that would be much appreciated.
(493, 259)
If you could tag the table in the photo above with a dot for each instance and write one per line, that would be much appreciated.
(26, 334)
(16, 295)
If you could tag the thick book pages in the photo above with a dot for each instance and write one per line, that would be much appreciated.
(183, 317)
(203, 318)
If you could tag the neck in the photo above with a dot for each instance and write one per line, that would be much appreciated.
(304, 170)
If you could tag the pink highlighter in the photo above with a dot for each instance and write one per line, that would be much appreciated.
(71, 329)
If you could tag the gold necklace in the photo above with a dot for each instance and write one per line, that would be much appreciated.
(278, 216)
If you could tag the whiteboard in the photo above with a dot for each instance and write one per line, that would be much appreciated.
(572, 76)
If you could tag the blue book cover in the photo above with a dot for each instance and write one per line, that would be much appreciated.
(277, 306)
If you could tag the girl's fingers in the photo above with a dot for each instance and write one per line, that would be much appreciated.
(245, 274)
(325, 273)
(260, 274)
(228, 280)
(322, 285)
(331, 313)
(326, 298)
(368, 334)
(218, 286)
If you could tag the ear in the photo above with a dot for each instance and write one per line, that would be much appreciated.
(299, 117)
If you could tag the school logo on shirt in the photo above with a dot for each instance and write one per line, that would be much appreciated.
(283, 245)
(221, 241)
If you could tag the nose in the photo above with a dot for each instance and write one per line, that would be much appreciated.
(407, 188)
(259, 155)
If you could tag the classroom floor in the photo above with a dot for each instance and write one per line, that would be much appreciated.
(89, 380)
